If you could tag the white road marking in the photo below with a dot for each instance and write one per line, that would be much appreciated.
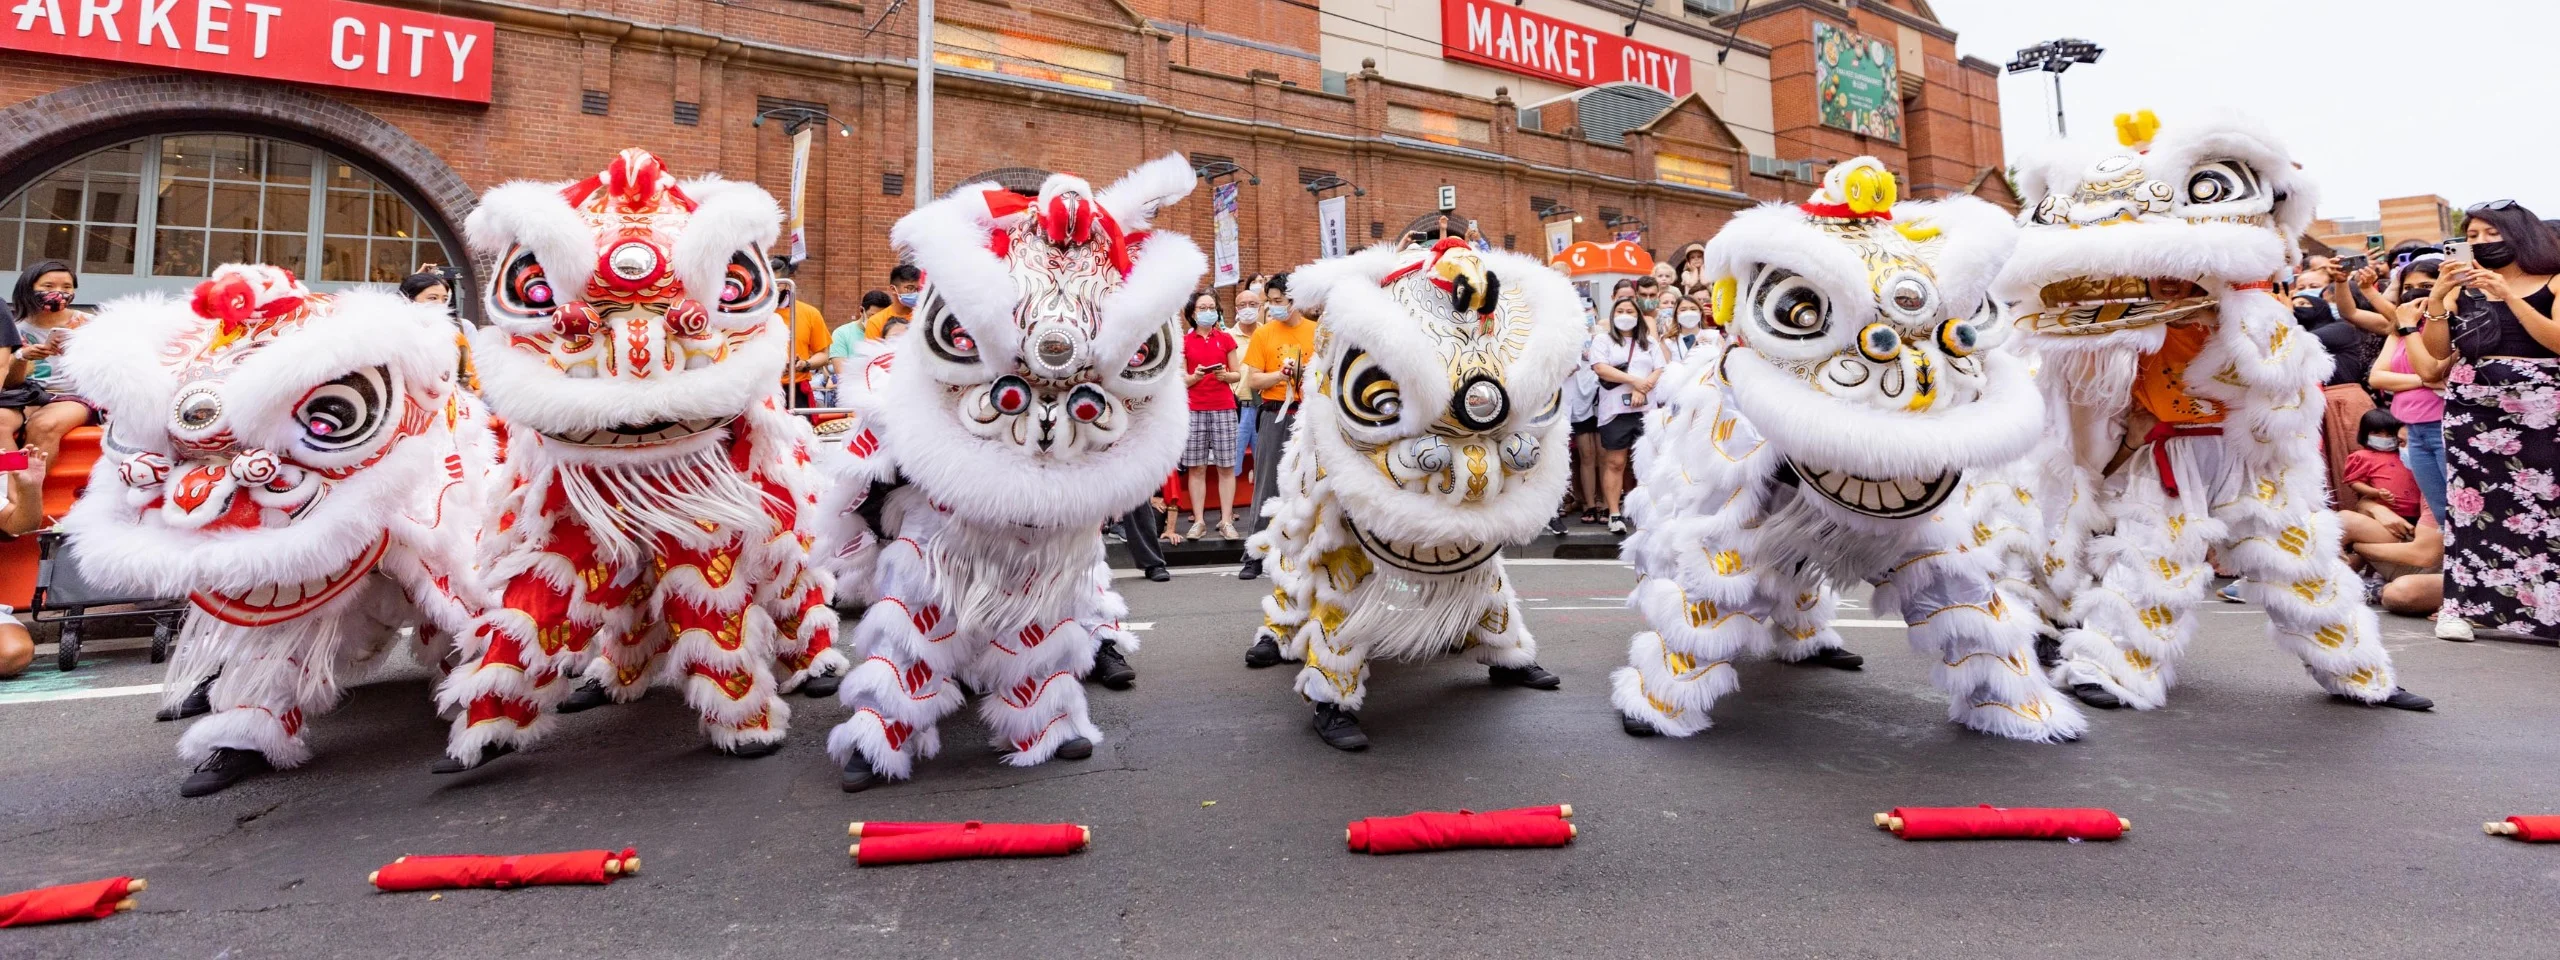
(91, 694)
(1139, 626)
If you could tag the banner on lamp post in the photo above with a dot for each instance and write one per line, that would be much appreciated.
(796, 227)
(1559, 236)
(1223, 201)
(1330, 214)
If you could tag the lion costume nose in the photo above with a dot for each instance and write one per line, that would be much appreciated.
(1057, 350)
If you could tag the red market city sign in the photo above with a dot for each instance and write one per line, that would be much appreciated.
(1496, 34)
(336, 43)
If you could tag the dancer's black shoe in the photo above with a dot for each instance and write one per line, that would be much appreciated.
(225, 767)
(1075, 749)
(1833, 657)
(821, 686)
(1264, 653)
(1111, 668)
(2400, 699)
(1340, 728)
(1531, 676)
(198, 701)
(1251, 570)
(588, 696)
(750, 751)
(1636, 728)
(2097, 696)
(858, 776)
(447, 764)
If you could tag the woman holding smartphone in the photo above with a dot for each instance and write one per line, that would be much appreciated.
(1629, 362)
(2491, 333)
(37, 394)
(1210, 370)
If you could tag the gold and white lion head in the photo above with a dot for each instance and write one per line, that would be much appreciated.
(2159, 228)
(1862, 340)
(1434, 402)
(1036, 384)
(262, 439)
(630, 310)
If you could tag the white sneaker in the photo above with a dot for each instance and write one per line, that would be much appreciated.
(2455, 629)
(1618, 524)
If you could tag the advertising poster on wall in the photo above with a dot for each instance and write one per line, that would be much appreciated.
(1854, 83)
(1559, 236)
(1223, 203)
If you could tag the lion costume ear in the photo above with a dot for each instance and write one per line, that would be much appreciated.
(1724, 301)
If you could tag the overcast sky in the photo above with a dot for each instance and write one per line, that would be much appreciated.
(2351, 86)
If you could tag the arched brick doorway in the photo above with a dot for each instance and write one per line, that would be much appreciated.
(42, 133)
(1023, 180)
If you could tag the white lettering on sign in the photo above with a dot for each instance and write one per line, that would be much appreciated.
(1494, 34)
(341, 43)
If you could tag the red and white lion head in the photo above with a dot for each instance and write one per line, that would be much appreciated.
(264, 442)
(631, 310)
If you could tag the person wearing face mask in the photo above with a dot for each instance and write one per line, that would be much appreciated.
(1582, 403)
(1681, 334)
(37, 393)
(1250, 308)
(1271, 360)
(1629, 362)
(2490, 330)
(2378, 484)
(2415, 402)
(906, 286)
(1210, 369)
(2344, 392)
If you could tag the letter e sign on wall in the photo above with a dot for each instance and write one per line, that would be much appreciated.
(1448, 198)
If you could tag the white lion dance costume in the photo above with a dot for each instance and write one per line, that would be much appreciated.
(303, 468)
(2186, 411)
(653, 493)
(1030, 402)
(1820, 447)
(1433, 436)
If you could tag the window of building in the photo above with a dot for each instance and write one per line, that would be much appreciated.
(1706, 8)
(1038, 58)
(1438, 126)
(213, 199)
(1691, 171)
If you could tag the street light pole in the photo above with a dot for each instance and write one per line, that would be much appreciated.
(2055, 56)
(2061, 127)
(924, 103)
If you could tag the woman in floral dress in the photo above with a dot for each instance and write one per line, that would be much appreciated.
(2491, 319)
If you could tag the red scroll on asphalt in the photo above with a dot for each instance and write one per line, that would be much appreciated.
(886, 843)
(1463, 830)
(2530, 829)
(1988, 822)
(501, 873)
(93, 900)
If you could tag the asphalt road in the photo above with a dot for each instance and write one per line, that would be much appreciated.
(2269, 821)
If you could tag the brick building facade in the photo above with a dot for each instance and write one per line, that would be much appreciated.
(1026, 87)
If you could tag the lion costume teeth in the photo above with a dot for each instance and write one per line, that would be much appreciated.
(1433, 434)
(2227, 391)
(1031, 400)
(1863, 386)
(654, 495)
(304, 468)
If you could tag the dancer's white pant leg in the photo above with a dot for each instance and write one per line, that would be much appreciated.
(1034, 692)
(906, 658)
(2148, 575)
(1500, 637)
(1705, 615)
(2285, 541)
(1984, 642)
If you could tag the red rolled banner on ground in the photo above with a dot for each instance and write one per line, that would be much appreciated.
(971, 840)
(1463, 830)
(93, 900)
(502, 873)
(2529, 828)
(1561, 811)
(865, 829)
(1987, 822)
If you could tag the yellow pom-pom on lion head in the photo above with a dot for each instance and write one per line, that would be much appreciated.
(1859, 188)
(2135, 130)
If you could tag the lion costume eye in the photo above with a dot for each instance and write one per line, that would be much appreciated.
(1789, 307)
(1369, 397)
(523, 288)
(345, 413)
(1153, 358)
(2221, 181)
(747, 284)
(943, 333)
(1958, 338)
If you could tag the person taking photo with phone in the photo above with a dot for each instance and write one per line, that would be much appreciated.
(37, 394)
(2490, 331)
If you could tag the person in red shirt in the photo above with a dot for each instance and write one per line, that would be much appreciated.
(1210, 368)
(2383, 486)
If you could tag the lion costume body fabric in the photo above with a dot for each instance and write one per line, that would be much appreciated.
(2185, 407)
(648, 522)
(1032, 400)
(1433, 435)
(304, 468)
(1821, 445)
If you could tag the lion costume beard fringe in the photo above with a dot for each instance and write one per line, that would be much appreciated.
(1432, 435)
(1823, 445)
(652, 524)
(2184, 231)
(1031, 400)
(304, 468)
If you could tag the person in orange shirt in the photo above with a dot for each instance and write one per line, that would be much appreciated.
(1271, 359)
(906, 284)
(810, 337)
